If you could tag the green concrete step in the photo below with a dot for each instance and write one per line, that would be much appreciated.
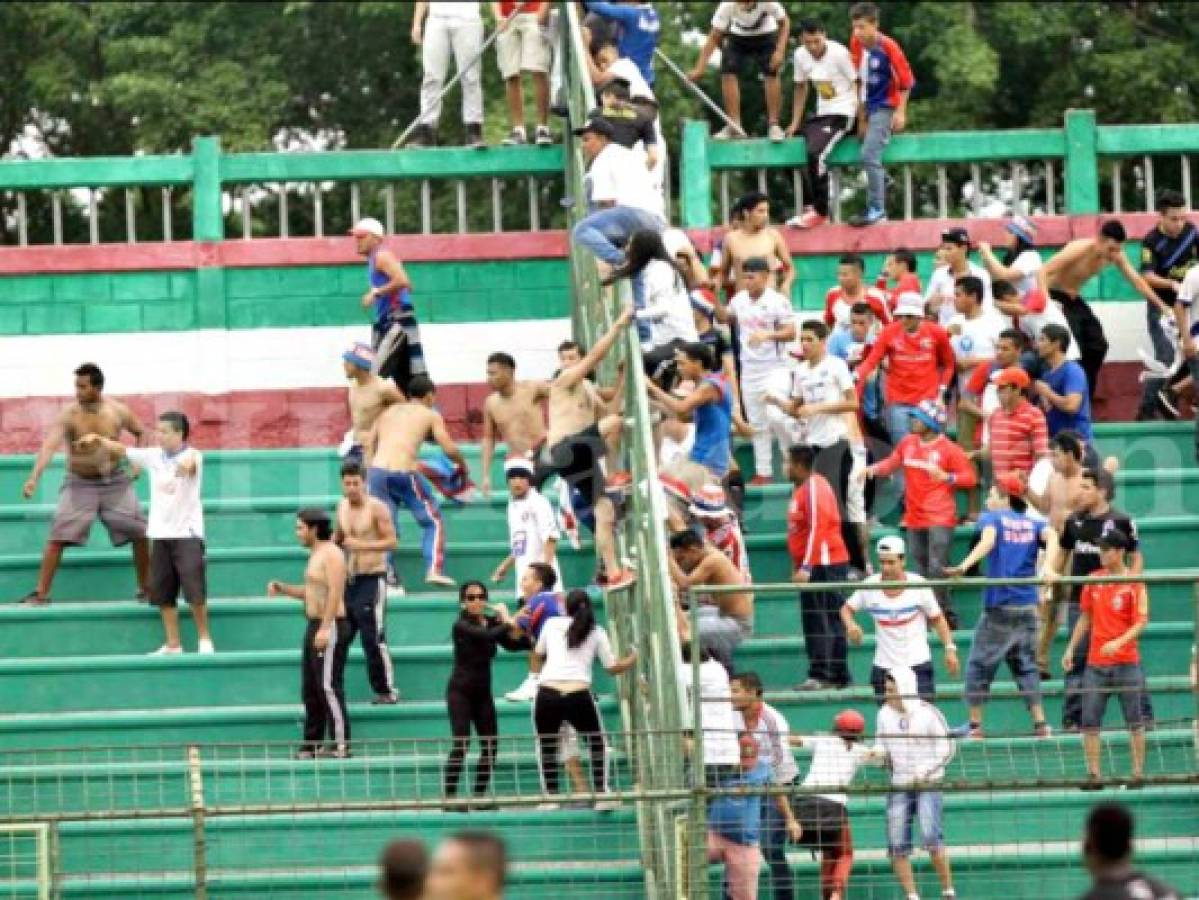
(243, 724)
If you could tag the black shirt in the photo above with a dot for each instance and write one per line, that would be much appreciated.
(715, 338)
(1169, 257)
(1081, 535)
(628, 125)
(474, 649)
(1130, 886)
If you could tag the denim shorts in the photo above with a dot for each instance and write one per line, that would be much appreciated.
(905, 807)
(1126, 681)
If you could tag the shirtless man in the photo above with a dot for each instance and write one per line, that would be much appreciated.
(95, 485)
(754, 237)
(513, 411)
(326, 640)
(725, 620)
(1063, 277)
(394, 476)
(366, 532)
(368, 396)
(581, 433)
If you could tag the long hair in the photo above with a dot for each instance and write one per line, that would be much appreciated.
(582, 617)
(643, 248)
(1012, 253)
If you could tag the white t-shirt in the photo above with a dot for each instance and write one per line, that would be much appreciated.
(771, 737)
(976, 337)
(1027, 264)
(1032, 324)
(825, 382)
(531, 523)
(770, 312)
(760, 19)
(834, 764)
(833, 78)
(667, 304)
(563, 663)
(625, 68)
(942, 282)
(457, 10)
(1187, 296)
(718, 720)
(900, 622)
(176, 510)
(619, 174)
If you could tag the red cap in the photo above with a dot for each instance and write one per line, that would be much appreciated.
(1035, 301)
(849, 721)
(1012, 484)
(1013, 376)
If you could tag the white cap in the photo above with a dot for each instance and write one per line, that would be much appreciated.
(909, 304)
(518, 465)
(891, 545)
(675, 241)
(368, 226)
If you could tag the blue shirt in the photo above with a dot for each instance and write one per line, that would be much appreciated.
(712, 420)
(386, 305)
(639, 27)
(1066, 379)
(538, 609)
(1017, 540)
(739, 819)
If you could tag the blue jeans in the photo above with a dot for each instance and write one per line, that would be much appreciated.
(1126, 681)
(903, 809)
(897, 419)
(605, 231)
(1004, 632)
(774, 851)
(1074, 702)
(413, 491)
(878, 133)
(1163, 352)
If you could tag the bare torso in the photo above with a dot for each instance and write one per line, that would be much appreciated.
(1071, 277)
(316, 586)
(359, 522)
(367, 402)
(519, 420)
(1062, 494)
(742, 245)
(400, 430)
(572, 409)
(107, 419)
(719, 569)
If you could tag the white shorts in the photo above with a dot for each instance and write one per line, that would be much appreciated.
(522, 47)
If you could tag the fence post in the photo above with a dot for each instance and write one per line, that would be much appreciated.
(199, 843)
(1082, 163)
(208, 224)
(695, 177)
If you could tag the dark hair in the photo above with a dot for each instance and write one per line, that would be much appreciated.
(699, 352)
(486, 851)
(811, 26)
(420, 386)
(617, 87)
(1109, 832)
(352, 468)
(1068, 442)
(972, 285)
(570, 345)
(643, 248)
(92, 372)
(545, 574)
(1058, 334)
(403, 867)
(802, 455)
(582, 617)
(1015, 335)
(749, 200)
(905, 256)
(1001, 289)
(1102, 479)
(1012, 253)
(751, 681)
(500, 358)
(1018, 504)
(178, 421)
(853, 259)
(817, 328)
(861, 308)
(467, 585)
(318, 520)
(1168, 198)
(705, 655)
(1114, 230)
(867, 11)
(686, 539)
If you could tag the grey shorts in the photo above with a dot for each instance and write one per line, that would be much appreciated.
(178, 564)
(720, 635)
(111, 499)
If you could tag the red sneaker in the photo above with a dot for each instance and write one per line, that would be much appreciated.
(618, 481)
(620, 579)
(759, 480)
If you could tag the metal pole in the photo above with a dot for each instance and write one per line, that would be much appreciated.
(695, 89)
(200, 848)
(398, 142)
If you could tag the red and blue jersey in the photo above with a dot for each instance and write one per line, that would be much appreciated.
(883, 70)
(538, 609)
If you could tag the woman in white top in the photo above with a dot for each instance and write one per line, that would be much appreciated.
(568, 647)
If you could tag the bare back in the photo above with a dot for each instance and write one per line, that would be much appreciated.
(367, 402)
(716, 568)
(360, 522)
(400, 431)
(1086, 260)
(742, 245)
(573, 409)
(108, 419)
(316, 584)
(519, 419)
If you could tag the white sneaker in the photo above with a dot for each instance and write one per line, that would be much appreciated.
(548, 807)
(728, 133)
(167, 650)
(205, 647)
(776, 133)
(526, 693)
(607, 805)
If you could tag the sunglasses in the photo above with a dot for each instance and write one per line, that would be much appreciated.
(475, 597)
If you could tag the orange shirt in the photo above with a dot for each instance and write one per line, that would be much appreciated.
(1113, 608)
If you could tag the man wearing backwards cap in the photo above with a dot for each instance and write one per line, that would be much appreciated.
(395, 334)
(1010, 540)
(532, 529)
(368, 396)
(955, 248)
(1017, 433)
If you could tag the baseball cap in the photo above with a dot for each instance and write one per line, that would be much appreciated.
(596, 125)
(849, 721)
(755, 264)
(1011, 484)
(956, 236)
(1012, 376)
(1114, 539)
(518, 465)
(931, 413)
(1023, 228)
(360, 355)
(909, 304)
(891, 545)
(367, 226)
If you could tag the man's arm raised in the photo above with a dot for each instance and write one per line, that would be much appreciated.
(576, 373)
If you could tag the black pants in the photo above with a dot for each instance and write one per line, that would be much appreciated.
(823, 630)
(366, 611)
(821, 134)
(322, 687)
(470, 705)
(550, 710)
(835, 463)
(578, 460)
(398, 351)
(1087, 330)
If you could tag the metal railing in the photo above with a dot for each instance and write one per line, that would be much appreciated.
(1079, 169)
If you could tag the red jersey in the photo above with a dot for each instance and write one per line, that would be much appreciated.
(837, 307)
(919, 364)
(814, 525)
(907, 283)
(929, 503)
(728, 539)
(1017, 439)
(525, 6)
(1113, 608)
